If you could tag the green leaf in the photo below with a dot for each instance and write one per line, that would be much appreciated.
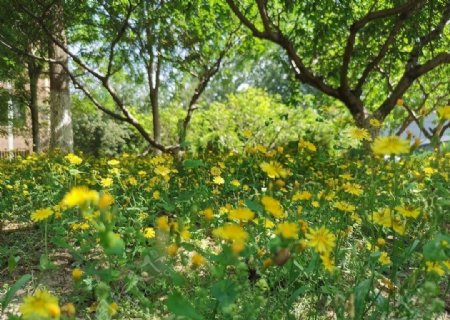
(192, 163)
(225, 292)
(181, 307)
(254, 206)
(12, 291)
(361, 291)
(296, 294)
(434, 250)
(45, 263)
(12, 263)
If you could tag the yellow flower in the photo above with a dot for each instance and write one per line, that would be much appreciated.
(304, 195)
(77, 273)
(162, 171)
(69, 310)
(241, 214)
(156, 195)
(302, 144)
(41, 214)
(408, 212)
(208, 214)
(274, 170)
(237, 247)
(41, 305)
(172, 250)
(197, 260)
(353, 188)
(106, 182)
(321, 239)
(359, 134)
(384, 258)
(231, 232)
(288, 230)
(235, 183)
(113, 162)
(273, 206)
(315, 204)
(113, 309)
(215, 171)
(435, 267)
(383, 217)
(218, 180)
(390, 145)
(444, 112)
(78, 196)
(345, 206)
(375, 123)
(149, 233)
(73, 159)
(162, 223)
(105, 201)
(386, 218)
(327, 263)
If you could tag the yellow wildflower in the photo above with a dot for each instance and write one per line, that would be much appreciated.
(384, 258)
(321, 239)
(77, 273)
(375, 123)
(113, 162)
(435, 267)
(304, 195)
(302, 144)
(208, 214)
(241, 214)
(273, 206)
(327, 262)
(106, 182)
(231, 232)
(390, 145)
(444, 112)
(41, 214)
(408, 212)
(162, 223)
(172, 250)
(288, 230)
(274, 170)
(41, 305)
(149, 233)
(218, 180)
(345, 206)
(197, 260)
(78, 196)
(162, 171)
(353, 188)
(359, 134)
(105, 201)
(73, 159)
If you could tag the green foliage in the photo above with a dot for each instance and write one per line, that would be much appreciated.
(97, 134)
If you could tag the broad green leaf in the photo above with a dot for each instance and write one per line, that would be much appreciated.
(12, 291)
(181, 307)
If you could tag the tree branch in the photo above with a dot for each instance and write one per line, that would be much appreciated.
(361, 23)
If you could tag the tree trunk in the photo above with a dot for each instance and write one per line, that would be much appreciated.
(61, 134)
(34, 72)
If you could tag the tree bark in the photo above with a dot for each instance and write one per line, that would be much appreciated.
(34, 71)
(61, 134)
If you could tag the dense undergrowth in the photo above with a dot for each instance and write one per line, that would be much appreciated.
(265, 234)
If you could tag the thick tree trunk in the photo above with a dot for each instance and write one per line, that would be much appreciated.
(34, 72)
(61, 134)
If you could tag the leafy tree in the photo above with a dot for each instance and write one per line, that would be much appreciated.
(336, 47)
(156, 43)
